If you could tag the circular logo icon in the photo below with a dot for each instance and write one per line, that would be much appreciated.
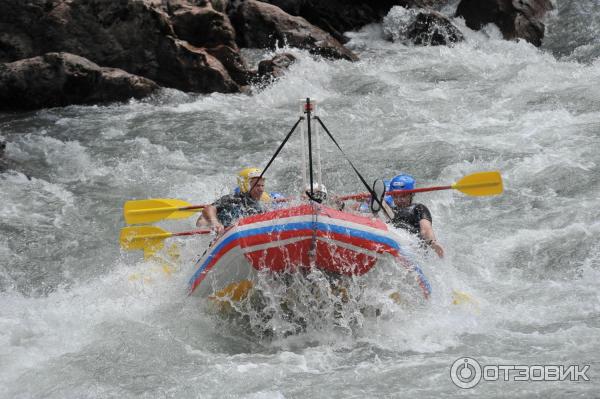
(465, 372)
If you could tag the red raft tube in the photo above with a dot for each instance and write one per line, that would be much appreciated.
(304, 236)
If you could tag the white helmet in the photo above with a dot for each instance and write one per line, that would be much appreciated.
(319, 191)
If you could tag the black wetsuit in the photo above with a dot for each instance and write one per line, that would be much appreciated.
(232, 207)
(409, 217)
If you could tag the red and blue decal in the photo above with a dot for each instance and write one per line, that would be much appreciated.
(247, 237)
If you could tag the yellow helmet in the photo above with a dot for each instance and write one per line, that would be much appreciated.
(244, 178)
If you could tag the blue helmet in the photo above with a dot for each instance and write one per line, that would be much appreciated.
(388, 198)
(402, 182)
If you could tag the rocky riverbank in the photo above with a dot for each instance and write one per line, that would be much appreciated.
(61, 52)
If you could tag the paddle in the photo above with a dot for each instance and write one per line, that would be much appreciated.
(153, 210)
(149, 238)
(476, 184)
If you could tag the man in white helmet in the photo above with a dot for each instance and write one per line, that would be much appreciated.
(228, 209)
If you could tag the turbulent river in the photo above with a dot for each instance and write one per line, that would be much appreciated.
(79, 318)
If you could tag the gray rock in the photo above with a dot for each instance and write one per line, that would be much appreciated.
(262, 25)
(276, 66)
(234, 63)
(433, 29)
(136, 36)
(193, 69)
(339, 16)
(59, 79)
(420, 27)
(515, 18)
(203, 27)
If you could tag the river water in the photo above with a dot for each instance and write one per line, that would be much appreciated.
(79, 318)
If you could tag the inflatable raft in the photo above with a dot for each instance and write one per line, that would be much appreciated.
(298, 238)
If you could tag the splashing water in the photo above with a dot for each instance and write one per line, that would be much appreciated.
(78, 318)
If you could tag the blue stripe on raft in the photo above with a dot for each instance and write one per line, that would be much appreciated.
(422, 277)
(292, 227)
(308, 226)
(417, 269)
(210, 257)
(322, 227)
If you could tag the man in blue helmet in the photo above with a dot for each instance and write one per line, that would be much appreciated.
(415, 218)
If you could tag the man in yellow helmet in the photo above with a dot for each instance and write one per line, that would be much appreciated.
(228, 209)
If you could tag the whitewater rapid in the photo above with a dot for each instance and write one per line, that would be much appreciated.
(79, 318)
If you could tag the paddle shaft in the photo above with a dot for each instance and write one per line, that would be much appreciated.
(362, 196)
(165, 209)
(168, 234)
(190, 233)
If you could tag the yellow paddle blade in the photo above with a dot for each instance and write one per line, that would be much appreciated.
(153, 210)
(234, 291)
(461, 298)
(479, 184)
(148, 238)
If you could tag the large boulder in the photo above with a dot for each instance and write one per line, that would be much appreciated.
(134, 35)
(334, 16)
(262, 25)
(339, 16)
(59, 79)
(515, 18)
(275, 67)
(434, 29)
(203, 26)
(420, 27)
(234, 63)
(206, 25)
(191, 68)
